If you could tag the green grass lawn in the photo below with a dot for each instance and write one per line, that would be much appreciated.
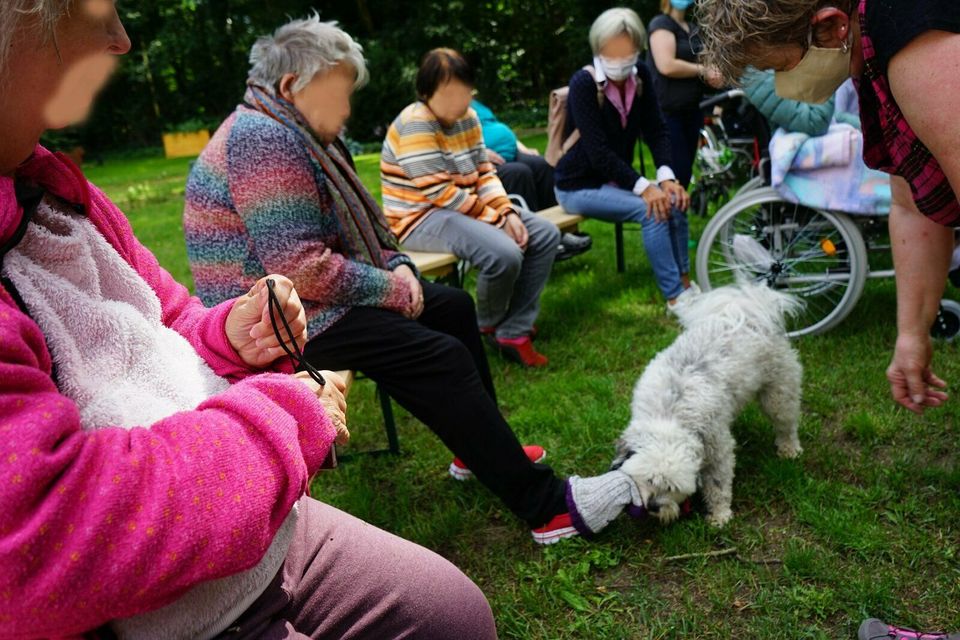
(864, 524)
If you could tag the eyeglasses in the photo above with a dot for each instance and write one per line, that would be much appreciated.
(293, 351)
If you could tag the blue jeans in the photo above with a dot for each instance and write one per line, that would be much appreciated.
(665, 242)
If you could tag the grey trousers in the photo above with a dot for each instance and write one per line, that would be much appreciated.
(510, 281)
(346, 579)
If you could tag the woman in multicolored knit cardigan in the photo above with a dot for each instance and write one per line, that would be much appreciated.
(275, 190)
(442, 193)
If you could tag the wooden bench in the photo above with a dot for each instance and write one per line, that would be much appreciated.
(434, 265)
(444, 265)
(564, 221)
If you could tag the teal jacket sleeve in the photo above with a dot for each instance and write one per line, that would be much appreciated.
(798, 117)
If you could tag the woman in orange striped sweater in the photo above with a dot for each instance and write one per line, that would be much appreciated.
(441, 193)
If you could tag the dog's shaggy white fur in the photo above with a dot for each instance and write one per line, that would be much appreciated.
(733, 348)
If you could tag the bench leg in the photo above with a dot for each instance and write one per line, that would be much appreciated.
(389, 424)
(618, 234)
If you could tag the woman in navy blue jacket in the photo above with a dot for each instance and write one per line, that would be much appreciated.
(612, 110)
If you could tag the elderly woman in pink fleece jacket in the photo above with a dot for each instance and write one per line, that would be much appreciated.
(155, 454)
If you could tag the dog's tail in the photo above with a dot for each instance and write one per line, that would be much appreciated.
(742, 303)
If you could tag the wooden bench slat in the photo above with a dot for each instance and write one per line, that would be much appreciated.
(433, 264)
(437, 264)
(561, 218)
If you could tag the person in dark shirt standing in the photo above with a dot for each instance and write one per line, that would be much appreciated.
(672, 57)
(610, 107)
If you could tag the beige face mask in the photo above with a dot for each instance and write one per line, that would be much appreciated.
(817, 77)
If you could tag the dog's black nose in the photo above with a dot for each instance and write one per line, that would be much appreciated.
(653, 507)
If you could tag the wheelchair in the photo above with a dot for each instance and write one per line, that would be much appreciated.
(822, 256)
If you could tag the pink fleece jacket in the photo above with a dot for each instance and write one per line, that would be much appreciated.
(110, 523)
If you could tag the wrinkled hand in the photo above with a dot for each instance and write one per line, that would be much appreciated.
(677, 194)
(415, 308)
(331, 397)
(658, 203)
(912, 384)
(515, 228)
(248, 325)
(495, 157)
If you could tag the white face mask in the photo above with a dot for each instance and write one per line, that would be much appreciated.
(618, 69)
(817, 77)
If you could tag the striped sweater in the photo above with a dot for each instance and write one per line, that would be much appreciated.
(257, 204)
(426, 166)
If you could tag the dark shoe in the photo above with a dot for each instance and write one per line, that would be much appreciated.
(573, 244)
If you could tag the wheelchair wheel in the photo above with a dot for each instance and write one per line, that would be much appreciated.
(947, 325)
(816, 255)
(753, 183)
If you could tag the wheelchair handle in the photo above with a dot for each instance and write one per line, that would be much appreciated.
(721, 97)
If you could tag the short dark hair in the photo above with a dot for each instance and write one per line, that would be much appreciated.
(439, 66)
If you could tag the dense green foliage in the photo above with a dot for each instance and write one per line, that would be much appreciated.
(188, 64)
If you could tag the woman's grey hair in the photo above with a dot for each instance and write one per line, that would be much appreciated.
(736, 32)
(46, 14)
(305, 48)
(614, 22)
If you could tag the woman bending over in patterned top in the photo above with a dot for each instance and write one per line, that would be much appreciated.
(905, 58)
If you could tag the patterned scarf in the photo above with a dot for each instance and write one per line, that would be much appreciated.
(364, 231)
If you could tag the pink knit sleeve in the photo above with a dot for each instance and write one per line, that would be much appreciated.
(113, 522)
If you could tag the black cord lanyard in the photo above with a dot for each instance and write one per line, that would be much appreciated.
(295, 355)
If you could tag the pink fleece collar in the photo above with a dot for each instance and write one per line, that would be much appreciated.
(54, 172)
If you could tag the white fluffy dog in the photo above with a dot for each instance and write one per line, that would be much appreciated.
(733, 348)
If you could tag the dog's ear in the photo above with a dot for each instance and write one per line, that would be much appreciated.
(623, 453)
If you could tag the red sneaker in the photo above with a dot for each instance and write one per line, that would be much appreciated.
(458, 470)
(559, 528)
(521, 350)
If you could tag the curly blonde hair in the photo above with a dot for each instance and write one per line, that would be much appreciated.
(45, 13)
(734, 32)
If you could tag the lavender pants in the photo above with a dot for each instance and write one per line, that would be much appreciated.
(344, 578)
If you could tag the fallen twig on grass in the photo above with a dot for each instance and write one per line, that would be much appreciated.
(767, 561)
(707, 554)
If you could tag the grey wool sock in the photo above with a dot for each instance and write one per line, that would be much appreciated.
(595, 502)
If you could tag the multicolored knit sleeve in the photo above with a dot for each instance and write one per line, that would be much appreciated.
(287, 213)
(424, 166)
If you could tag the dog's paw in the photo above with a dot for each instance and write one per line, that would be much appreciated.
(719, 518)
(789, 449)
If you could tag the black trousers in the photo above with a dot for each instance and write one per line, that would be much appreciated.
(436, 368)
(684, 128)
(529, 176)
